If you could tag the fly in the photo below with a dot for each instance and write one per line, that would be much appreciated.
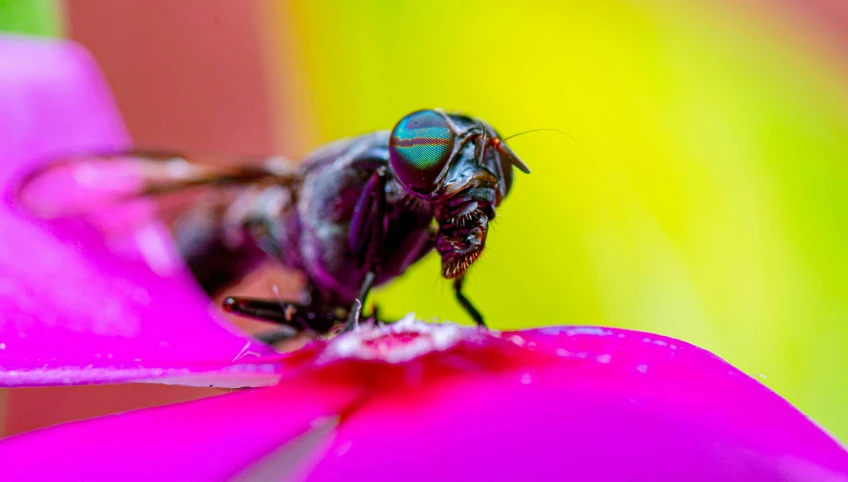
(351, 216)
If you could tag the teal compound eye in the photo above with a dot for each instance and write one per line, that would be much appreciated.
(420, 146)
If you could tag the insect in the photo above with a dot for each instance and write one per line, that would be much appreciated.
(352, 215)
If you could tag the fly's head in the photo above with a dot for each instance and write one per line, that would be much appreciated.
(463, 169)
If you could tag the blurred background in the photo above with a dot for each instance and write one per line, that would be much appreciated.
(705, 197)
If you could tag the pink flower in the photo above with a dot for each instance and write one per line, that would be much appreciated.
(407, 401)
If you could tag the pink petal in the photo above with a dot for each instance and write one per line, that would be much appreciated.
(612, 405)
(446, 403)
(73, 312)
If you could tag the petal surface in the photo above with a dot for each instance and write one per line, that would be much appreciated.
(422, 402)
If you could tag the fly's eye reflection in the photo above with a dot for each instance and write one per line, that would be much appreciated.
(419, 148)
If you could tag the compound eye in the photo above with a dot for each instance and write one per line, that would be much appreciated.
(419, 148)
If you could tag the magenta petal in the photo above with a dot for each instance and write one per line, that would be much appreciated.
(211, 439)
(589, 404)
(72, 312)
(418, 402)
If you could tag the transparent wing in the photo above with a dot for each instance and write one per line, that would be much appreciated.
(94, 183)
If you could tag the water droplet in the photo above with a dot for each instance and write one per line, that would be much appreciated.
(642, 369)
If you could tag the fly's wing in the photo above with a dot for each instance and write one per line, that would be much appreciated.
(136, 198)
(89, 184)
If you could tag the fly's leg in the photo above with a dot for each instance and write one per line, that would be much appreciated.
(466, 303)
(272, 337)
(294, 316)
(356, 309)
(367, 237)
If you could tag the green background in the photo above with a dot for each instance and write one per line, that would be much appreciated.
(31, 17)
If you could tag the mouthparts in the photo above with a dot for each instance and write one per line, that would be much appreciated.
(460, 242)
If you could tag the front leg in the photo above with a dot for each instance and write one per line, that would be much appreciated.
(466, 303)
(367, 238)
